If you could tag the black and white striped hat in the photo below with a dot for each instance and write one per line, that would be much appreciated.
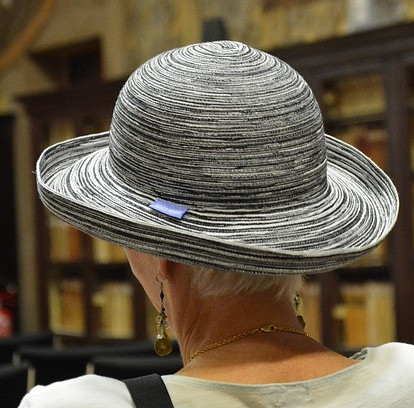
(217, 156)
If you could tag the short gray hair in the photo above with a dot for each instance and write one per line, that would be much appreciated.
(211, 282)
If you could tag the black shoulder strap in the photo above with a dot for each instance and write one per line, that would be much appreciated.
(149, 392)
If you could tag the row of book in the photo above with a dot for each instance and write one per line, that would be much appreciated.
(66, 245)
(368, 317)
(113, 306)
(365, 314)
(355, 96)
(67, 306)
(115, 310)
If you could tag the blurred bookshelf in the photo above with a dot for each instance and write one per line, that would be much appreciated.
(365, 86)
(364, 315)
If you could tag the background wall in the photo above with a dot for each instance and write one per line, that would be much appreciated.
(132, 31)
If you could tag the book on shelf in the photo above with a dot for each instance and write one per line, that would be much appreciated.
(354, 317)
(67, 307)
(115, 304)
(367, 314)
(355, 96)
(54, 306)
(65, 241)
(380, 306)
(105, 252)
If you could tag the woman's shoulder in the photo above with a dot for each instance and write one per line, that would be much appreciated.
(86, 391)
(390, 352)
(391, 359)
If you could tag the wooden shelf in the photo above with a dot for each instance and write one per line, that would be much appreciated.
(369, 273)
(338, 122)
(92, 274)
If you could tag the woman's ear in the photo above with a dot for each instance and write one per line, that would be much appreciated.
(164, 269)
(167, 269)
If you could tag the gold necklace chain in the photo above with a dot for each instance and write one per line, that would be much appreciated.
(269, 328)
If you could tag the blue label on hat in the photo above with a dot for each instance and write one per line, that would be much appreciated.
(169, 208)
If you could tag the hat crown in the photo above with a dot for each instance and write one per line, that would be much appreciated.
(219, 124)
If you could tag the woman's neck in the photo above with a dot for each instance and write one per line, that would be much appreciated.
(199, 322)
(259, 358)
(255, 359)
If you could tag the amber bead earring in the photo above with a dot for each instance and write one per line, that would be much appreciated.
(162, 344)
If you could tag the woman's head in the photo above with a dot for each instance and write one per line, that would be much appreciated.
(217, 156)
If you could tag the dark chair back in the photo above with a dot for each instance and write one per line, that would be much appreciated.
(9, 345)
(13, 384)
(122, 368)
(135, 349)
(52, 365)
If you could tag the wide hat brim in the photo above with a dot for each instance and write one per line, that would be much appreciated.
(352, 216)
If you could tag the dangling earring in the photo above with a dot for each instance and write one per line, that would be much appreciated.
(298, 307)
(162, 344)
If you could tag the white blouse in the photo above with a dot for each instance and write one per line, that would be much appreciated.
(384, 378)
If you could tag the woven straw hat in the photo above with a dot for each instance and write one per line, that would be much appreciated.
(217, 156)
